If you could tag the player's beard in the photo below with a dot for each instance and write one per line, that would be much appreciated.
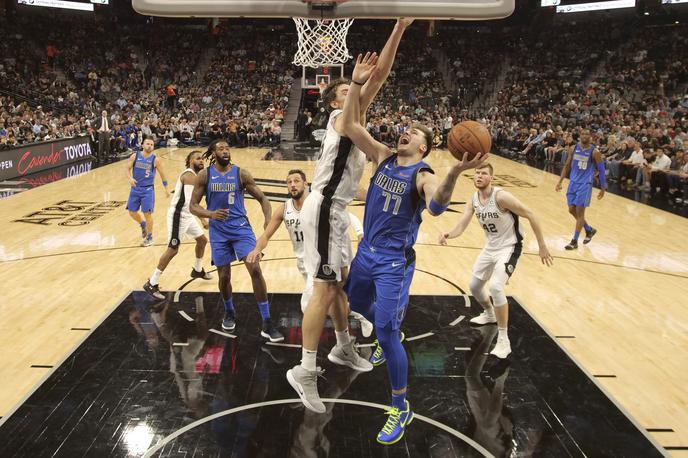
(298, 195)
(198, 167)
(222, 161)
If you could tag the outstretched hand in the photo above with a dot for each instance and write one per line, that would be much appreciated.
(478, 160)
(405, 21)
(365, 65)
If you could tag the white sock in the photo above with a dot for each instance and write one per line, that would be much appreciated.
(155, 278)
(308, 359)
(501, 335)
(199, 264)
(490, 311)
(343, 337)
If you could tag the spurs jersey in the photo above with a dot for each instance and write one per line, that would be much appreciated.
(182, 196)
(339, 167)
(501, 227)
(292, 221)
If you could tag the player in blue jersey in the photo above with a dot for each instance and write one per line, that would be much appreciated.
(231, 236)
(141, 169)
(579, 192)
(402, 186)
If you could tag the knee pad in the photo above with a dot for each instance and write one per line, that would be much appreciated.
(477, 287)
(497, 293)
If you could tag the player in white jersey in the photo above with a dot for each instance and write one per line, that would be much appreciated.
(325, 220)
(180, 224)
(498, 213)
(289, 213)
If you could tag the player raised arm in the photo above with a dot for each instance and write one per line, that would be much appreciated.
(163, 176)
(460, 226)
(198, 193)
(253, 189)
(130, 169)
(565, 170)
(507, 201)
(262, 241)
(439, 195)
(599, 160)
(384, 66)
(374, 150)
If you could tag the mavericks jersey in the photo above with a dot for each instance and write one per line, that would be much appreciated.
(339, 167)
(582, 165)
(144, 170)
(226, 191)
(393, 206)
(501, 227)
(292, 220)
(182, 196)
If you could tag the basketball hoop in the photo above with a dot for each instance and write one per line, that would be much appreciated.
(321, 41)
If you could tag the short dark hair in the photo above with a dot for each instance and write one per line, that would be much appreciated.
(148, 137)
(486, 165)
(330, 92)
(190, 155)
(299, 171)
(427, 133)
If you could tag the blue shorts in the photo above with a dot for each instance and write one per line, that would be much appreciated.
(143, 198)
(579, 194)
(381, 280)
(231, 244)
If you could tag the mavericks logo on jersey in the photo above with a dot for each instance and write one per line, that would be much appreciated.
(222, 187)
(390, 184)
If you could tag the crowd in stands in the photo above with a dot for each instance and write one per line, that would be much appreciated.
(149, 78)
(630, 90)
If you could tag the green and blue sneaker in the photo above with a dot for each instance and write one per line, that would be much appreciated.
(396, 425)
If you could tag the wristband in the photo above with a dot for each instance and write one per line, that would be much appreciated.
(603, 177)
(436, 208)
(360, 84)
(164, 183)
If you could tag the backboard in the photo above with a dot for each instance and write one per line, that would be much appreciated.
(420, 9)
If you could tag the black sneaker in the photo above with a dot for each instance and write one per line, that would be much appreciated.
(202, 274)
(589, 236)
(573, 245)
(270, 332)
(153, 290)
(229, 322)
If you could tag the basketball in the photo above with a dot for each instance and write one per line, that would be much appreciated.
(469, 137)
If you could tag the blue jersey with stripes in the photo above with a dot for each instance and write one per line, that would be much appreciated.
(144, 170)
(582, 165)
(226, 191)
(393, 205)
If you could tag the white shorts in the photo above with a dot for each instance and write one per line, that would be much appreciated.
(327, 246)
(307, 292)
(186, 226)
(489, 260)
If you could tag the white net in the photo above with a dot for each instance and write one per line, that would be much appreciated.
(322, 41)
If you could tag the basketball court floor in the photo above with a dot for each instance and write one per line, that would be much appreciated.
(92, 366)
